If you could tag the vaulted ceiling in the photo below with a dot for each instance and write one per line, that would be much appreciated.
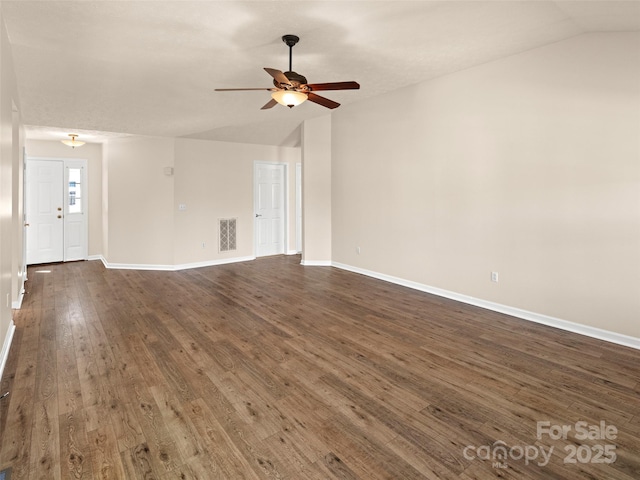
(104, 68)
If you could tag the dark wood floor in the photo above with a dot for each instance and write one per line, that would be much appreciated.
(268, 369)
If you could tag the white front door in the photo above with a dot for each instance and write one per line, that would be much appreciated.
(45, 211)
(269, 188)
(56, 210)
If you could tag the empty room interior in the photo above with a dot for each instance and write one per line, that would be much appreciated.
(320, 240)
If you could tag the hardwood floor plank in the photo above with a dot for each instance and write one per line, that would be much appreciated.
(225, 460)
(45, 437)
(75, 451)
(126, 427)
(164, 455)
(7, 381)
(16, 436)
(69, 389)
(142, 359)
(176, 420)
(363, 454)
(105, 456)
(45, 441)
(137, 463)
(334, 467)
(272, 370)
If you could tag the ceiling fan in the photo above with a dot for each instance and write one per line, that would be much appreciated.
(292, 89)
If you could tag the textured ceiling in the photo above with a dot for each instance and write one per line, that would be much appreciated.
(150, 67)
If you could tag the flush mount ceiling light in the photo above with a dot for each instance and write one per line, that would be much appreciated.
(73, 143)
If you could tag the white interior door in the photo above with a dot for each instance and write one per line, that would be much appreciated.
(269, 188)
(45, 211)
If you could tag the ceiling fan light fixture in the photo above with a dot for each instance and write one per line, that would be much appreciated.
(289, 98)
(292, 89)
(73, 143)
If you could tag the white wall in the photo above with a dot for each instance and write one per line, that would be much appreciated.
(92, 152)
(215, 180)
(143, 225)
(18, 261)
(133, 205)
(140, 201)
(316, 191)
(10, 165)
(528, 166)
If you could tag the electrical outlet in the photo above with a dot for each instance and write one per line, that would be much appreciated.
(358, 250)
(182, 207)
(203, 245)
(494, 277)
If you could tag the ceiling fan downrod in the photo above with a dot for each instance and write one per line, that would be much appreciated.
(290, 41)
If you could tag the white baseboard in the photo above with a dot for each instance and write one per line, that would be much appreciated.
(316, 263)
(211, 263)
(4, 354)
(593, 332)
(17, 305)
(173, 268)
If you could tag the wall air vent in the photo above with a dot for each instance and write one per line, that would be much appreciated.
(227, 234)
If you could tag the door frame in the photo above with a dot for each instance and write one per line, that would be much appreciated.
(23, 274)
(285, 206)
(66, 163)
(299, 210)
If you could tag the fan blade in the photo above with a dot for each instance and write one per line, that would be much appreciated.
(243, 89)
(325, 102)
(317, 87)
(278, 76)
(271, 103)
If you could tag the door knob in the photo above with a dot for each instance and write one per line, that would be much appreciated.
(26, 224)
(258, 215)
(59, 209)
(59, 216)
